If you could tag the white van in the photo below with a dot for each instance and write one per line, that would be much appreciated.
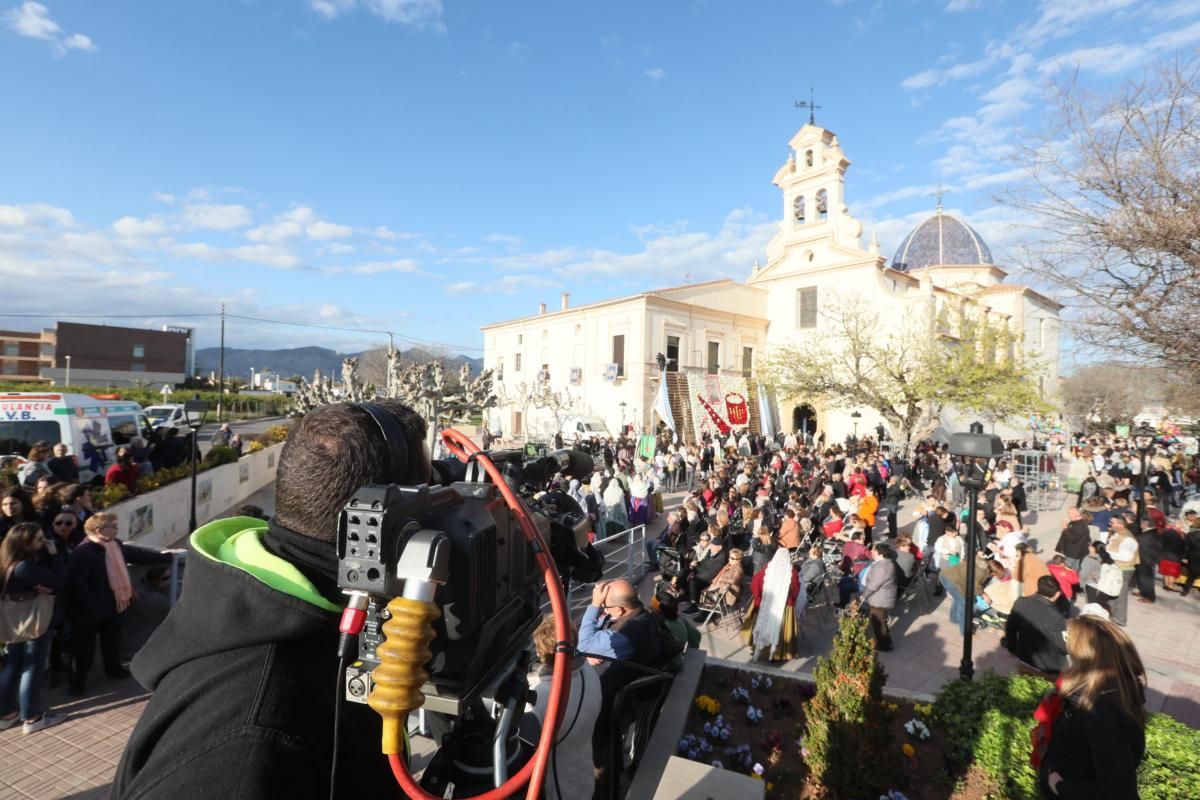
(167, 415)
(92, 428)
(584, 427)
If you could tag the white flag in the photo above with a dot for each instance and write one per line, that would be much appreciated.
(662, 404)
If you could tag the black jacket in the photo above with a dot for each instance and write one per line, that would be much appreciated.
(1034, 634)
(707, 569)
(1075, 539)
(243, 679)
(91, 596)
(1096, 752)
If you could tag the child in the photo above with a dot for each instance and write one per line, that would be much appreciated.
(1067, 579)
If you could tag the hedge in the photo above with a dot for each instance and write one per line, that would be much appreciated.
(987, 721)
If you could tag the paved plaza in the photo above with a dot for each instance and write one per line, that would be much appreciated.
(77, 758)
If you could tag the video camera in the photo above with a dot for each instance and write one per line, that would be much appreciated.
(460, 547)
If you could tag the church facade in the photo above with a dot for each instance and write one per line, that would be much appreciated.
(715, 335)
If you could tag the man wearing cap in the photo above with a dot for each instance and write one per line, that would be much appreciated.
(1191, 550)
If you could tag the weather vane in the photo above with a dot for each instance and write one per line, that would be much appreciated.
(811, 105)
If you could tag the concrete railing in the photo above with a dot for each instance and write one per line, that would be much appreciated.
(160, 518)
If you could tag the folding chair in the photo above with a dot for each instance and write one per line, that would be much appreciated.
(729, 612)
(917, 589)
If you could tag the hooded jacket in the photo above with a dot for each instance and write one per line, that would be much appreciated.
(243, 672)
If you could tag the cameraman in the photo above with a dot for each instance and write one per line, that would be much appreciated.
(244, 668)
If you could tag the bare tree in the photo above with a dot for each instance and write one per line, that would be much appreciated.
(1113, 189)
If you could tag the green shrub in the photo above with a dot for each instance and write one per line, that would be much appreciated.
(1171, 769)
(110, 495)
(218, 455)
(987, 722)
(848, 724)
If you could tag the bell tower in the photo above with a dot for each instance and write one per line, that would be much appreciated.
(816, 227)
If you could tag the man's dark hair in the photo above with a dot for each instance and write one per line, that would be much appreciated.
(1048, 586)
(332, 452)
(885, 550)
(668, 606)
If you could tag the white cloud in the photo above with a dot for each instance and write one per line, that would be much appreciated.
(1061, 18)
(212, 216)
(32, 19)
(323, 230)
(420, 14)
(655, 73)
(26, 214)
(77, 41)
(134, 228)
(379, 267)
(164, 198)
(728, 252)
(462, 287)
(940, 76)
(506, 239)
(963, 5)
(297, 221)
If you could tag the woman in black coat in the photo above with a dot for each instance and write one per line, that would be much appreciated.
(97, 601)
(1099, 738)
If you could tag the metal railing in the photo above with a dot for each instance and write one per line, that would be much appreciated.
(624, 557)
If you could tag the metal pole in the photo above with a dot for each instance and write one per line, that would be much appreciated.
(1142, 482)
(68, 371)
(967, 668)
(192, 519)
(221, 380)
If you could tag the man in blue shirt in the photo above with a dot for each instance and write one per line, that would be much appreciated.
(611, 601)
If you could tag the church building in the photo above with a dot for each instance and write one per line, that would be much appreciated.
(714, 336)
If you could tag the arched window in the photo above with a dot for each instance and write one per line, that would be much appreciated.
(823, 204)
(798, 208)
(808, 158)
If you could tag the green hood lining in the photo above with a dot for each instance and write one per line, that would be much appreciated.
(238, 542)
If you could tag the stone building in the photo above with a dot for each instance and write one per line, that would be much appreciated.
(716, 334)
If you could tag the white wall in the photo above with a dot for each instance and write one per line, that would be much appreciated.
(170, 506)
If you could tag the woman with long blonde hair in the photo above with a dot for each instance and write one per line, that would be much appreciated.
(1100, 736)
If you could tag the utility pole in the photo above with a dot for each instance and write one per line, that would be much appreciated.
(221, 379)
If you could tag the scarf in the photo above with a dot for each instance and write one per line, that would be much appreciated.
(776, 585)
(118, 573)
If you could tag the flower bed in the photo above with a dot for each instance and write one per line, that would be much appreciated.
(972, 743)
(753, 723)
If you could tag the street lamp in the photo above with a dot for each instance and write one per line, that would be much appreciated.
(68, 379)
(622, 405)
(856, 417)
(1143, 437)
(974, 450)
(194, 412)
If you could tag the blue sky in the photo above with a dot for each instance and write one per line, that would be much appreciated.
(426, 167)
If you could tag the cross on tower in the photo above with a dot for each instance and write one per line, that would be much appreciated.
(811, 105)
(940, 191)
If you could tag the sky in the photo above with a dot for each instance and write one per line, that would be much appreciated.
(428, 166)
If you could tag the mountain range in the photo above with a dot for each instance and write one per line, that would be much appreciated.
(305, 360)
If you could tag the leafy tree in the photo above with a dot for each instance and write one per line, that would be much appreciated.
(908, 374)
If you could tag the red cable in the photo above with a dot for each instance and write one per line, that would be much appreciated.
(534, 771)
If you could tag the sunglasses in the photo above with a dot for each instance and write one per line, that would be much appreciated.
(63, 523)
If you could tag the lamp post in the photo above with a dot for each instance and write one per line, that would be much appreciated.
(68, 378)
(1143, 436)
(856, 416)
(974, 450)
(194, 412)
(622, 405)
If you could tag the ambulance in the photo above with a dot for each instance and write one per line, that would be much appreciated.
(90, 427)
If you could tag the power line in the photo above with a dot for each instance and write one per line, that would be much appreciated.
(356, 330)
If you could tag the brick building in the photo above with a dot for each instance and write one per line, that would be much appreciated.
(95, 355)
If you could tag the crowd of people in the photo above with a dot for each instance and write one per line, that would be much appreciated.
(62, 551)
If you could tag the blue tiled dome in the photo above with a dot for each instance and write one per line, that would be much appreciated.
(941, 239)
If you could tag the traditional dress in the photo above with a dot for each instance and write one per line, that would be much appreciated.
(771, 624)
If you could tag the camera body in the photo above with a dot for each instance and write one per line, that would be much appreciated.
(488, 588)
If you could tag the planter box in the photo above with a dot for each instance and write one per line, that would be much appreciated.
(159, 518)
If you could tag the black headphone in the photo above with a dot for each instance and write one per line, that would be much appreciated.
(393, 437)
